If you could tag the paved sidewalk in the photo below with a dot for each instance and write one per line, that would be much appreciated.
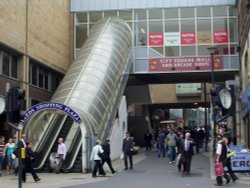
(52, 180)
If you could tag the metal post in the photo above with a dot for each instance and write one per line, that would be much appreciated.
(206, 133)
(213, 105)
(20, 165)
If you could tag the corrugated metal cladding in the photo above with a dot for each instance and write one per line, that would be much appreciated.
(97, 5)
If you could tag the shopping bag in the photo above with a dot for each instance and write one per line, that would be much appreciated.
(122, 156)
(218, 169)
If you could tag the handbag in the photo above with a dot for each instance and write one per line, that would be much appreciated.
(101, 155)
(218, 169)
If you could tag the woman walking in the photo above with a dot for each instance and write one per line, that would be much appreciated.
(97, 159)
(9, 149)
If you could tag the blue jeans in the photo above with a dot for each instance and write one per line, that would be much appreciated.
(161, 150)
(172, 153)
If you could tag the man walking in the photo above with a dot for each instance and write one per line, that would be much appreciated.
(106, 155)
(61, 154)
(171, 141)
(186, 150)
(127, 148)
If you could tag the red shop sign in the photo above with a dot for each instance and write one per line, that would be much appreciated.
(188, 38)
(220, 36)
(184, 64)
(155, 39)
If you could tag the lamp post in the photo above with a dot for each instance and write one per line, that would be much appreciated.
(212, 50)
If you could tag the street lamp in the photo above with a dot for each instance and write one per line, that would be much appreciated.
(212, 50)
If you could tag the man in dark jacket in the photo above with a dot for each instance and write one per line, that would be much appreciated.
(186, 150)
(106, 155)
(28, 164)
(127, 147)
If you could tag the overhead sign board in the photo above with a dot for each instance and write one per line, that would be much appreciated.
(51, 105)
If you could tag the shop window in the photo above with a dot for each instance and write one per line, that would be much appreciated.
(171, 13)
(220, 24)
(187, 26)
(232, 11)
(219, 11)
(203, 50)
(140, 33)
(125, 15)
(188, 50)
(110, 14)
(81, 17)
(172, 51)
(95, 16)
(172, 26)
(203, 12)
(233, 30)
(155, 27)
(155, 14)
(156, 51)
(81, 34)
(187, 12)
(140, 14)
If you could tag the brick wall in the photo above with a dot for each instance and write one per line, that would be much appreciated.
(48, 30)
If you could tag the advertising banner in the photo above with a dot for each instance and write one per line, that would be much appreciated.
(188, 38)
(184, 64)
(155, 39)
(204, 37)
(172, 39)
(220, 36)
(241, 162)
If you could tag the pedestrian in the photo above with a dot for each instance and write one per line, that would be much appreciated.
(147, 140)
(186, 151)
(221, 156)
(9, 149)
(228, 162)
(179, 143)
(106, 155)
(161, 143)
(28, 163)
(2, 154)
(24, 142)
(127, 149)
(171, 141)
(97, 159)
(60, 155)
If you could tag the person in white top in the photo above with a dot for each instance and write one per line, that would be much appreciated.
(97, 159)
(9, 149)
(60, 155)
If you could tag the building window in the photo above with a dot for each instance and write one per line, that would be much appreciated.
(81, 34)
(171, 13)
(43, 77)
(140, 14)
(95, 16)
(125, 14)
(8, 65)
(187, 12)
(155, 14)
(203, 12)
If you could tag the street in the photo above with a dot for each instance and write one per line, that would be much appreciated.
(157, 172)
